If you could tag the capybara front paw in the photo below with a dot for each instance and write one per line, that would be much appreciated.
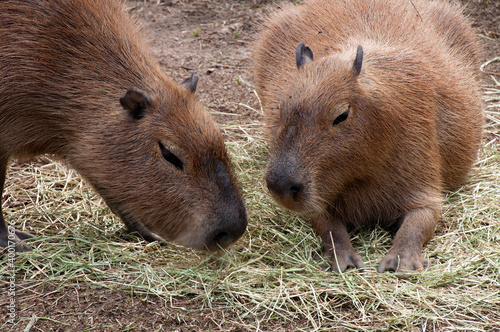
(22, 247)
(16, 243)
(344, 259)
(400, 261)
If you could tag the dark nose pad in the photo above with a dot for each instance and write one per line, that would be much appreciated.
(222, 238)
(283, 186)
(233, 223)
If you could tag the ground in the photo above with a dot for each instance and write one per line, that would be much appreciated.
(214, 39)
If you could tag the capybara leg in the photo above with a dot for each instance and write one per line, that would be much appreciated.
(416, 229)
(8, 237)
(336, 243)
(11, 240)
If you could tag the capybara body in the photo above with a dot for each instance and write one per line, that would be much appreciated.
(77, 82)
(373, 108)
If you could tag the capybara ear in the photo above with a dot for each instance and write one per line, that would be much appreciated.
(303, 55)
(358, 61)
(136, 103)
(191, 82)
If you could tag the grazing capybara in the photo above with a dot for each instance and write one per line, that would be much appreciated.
(373, 109)
(78, 82)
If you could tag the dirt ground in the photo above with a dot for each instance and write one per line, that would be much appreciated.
(213, 38)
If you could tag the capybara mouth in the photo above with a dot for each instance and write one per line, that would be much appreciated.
(306, 205)
(217, 231)
(213, 233)
(138, 228)
(214, 242)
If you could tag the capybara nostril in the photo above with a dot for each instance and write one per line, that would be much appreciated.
(283, 186)
(225, 236)
(222, 239)
(296, 188)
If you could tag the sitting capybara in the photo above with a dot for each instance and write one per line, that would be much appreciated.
(77, 82)
(377, 113)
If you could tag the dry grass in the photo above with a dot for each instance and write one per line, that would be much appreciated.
(273, 274)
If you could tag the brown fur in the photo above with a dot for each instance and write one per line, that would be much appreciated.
(65, 67)
(414, 124)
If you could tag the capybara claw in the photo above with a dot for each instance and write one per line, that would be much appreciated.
(402, 263)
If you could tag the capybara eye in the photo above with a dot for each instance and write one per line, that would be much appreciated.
(170, 157)
(341, 117)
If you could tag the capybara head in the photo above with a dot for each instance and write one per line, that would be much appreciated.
(81, 85)
(162, 162)
(321, 140)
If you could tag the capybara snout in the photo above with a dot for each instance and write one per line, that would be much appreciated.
(78, 83)
(289, 186)
(232, 223)
(288, 182)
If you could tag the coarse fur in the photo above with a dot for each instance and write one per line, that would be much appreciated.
(77, 82)
(373, 122)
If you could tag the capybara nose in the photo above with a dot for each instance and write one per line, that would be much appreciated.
(233, 223)
(223, 239)
(284, 186)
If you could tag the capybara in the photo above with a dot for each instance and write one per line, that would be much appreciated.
(373, 110)
(78, 82)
